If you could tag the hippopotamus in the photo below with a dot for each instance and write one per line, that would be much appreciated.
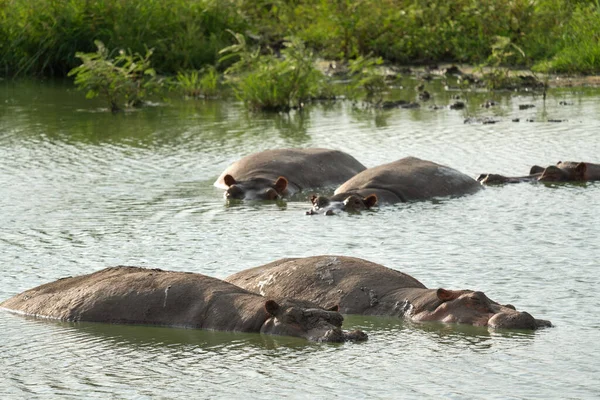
(273, 174)
(563, 171)
(407, 179)
(362, 287)
(133, 295)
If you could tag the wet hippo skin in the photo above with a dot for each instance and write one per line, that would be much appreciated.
(563, 171)
(272, 174)
(133, 295)
(363, 287)
(407, 179)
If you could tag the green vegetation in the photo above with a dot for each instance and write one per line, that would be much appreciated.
(198, 84)
(270, 83)
(125, 79)
(41, 37)
(366, 80)
(51, 37)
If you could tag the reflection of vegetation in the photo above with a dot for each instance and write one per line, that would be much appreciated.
(127, 78)
(270, 83)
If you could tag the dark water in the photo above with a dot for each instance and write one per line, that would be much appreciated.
(81, 189)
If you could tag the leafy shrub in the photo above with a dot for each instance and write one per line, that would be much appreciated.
(269, 83)
(366, 80)
(125, 79)
(198, 83)
(580, 52)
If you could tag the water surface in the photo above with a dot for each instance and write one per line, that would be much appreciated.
(82, 189)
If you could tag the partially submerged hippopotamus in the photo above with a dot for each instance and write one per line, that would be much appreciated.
(407, 179)
(363, 287)
(132, 295)
(563, 171)
(272, 174)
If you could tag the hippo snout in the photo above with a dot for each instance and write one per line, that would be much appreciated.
(337, 335)
(516, 320)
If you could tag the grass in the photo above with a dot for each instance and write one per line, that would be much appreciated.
(42, 37)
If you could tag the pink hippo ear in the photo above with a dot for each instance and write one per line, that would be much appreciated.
(228, 179)
(335, 308)
(447, 295)
(370, 200)
(280, 184)
(271, 307)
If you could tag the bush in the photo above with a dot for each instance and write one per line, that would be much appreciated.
(196, 84)
(580, 52)
(269, 83)
(126, 79)
(41, 37)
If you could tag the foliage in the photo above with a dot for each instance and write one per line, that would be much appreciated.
(581, 52)
(269, 83)
(366, 78)
(125, 79)
(495, 73)
(198, 83)
(41, 37)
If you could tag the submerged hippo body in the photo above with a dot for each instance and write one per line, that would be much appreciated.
(563, 171)
(132, 295)
(363, 287)
(272, 174)
(407, 179)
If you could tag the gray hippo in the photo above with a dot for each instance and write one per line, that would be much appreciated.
(272, 174)
(563, 171)
(132, 295)
(407, 179)
(363, 287)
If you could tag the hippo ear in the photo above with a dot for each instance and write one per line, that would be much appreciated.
(370, 200)
(335, 308)
(271, 307)
(447, 295)
(228, 179)
(280, 184)
(313, 199)
(536, 169)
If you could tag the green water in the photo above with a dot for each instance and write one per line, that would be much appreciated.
(82, 189)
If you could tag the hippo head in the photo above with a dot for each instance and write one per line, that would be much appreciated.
(255, 189)
(475, 308)
(306, 320)
(349, 202)
(563, 172)
(492, 179)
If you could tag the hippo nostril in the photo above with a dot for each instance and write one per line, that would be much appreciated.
(356, 336)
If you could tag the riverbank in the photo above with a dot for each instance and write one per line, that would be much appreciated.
(555, 36)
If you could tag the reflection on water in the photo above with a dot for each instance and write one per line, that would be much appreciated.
(81, 190)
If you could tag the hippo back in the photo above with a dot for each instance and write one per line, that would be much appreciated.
(303, 168)
(358, 286)
(410, 179)
(591, 171)
(144, 296)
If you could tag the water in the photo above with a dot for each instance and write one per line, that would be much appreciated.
(81, 189)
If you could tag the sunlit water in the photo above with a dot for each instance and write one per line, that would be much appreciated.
(81, 189)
